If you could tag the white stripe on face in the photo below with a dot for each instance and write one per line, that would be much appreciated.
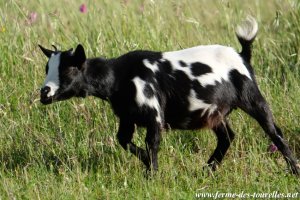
(52, 79)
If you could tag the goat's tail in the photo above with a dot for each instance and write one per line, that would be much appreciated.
(246, 33)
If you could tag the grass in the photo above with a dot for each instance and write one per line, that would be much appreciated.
(68, 150)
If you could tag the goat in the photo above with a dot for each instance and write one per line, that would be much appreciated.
(187, 89)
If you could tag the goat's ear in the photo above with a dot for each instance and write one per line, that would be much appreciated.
(47, 52)
(79, 56)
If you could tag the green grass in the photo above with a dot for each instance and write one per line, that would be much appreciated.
(68, 150)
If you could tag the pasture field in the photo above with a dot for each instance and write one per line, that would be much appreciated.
(69, 150)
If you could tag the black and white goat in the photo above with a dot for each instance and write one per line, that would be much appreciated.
(186, 89)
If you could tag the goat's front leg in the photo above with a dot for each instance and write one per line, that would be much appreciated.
(152, 143)
(125, 134)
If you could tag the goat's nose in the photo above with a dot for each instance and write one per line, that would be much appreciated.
(45, 90)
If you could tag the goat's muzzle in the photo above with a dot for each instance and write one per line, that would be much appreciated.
(44, 95)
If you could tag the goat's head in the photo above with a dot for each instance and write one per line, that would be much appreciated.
(63, 74)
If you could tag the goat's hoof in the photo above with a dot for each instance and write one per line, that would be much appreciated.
(208, 170)
(296, 170)
(149, 173)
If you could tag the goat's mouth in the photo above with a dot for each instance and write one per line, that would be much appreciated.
(58, 96)
(46, 100)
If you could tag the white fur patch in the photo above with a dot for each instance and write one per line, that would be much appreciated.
(220, 59)
(197, 104)
(142, 100)
(187, 70)
(52, 79)
(152, 67)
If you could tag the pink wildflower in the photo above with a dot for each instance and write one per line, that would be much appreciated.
(31, 17)
(83, 8)
(142, 8)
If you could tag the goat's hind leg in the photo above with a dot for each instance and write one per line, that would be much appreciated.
(224, 138)
(258, 108)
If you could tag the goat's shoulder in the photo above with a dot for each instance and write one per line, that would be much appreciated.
(137, 56)
(139, 63)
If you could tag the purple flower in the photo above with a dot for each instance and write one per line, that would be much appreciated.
(83, 8)
(272, 148)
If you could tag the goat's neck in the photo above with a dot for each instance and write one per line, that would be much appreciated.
(99, 77)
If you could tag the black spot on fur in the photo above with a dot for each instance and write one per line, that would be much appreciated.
(177, 102)
(221, 93)
(148, 91)
(182, 83)
(165, 66)
(200, 69)
(203, 93)
(237, 79)
(182, 64)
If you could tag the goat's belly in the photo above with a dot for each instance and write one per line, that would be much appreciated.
(196, 120)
